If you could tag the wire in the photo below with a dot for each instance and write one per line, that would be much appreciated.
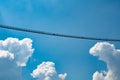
(57, 34)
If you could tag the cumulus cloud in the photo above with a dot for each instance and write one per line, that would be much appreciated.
(111, 56)
(62, 76)
(6, 54)
(14, 54)
(46, 71)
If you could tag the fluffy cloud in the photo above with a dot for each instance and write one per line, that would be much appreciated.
(14, 54)
(46, 71)
(111, 56)
(6, 54)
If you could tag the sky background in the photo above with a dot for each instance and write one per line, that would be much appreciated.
(95, 18)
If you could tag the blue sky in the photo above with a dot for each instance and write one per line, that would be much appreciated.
(97, 18)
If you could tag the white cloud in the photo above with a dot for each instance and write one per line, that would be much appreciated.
(14, 54)
(62, 76)
(6, 54)
(46, 71)
(111, 56)
(21, 49)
